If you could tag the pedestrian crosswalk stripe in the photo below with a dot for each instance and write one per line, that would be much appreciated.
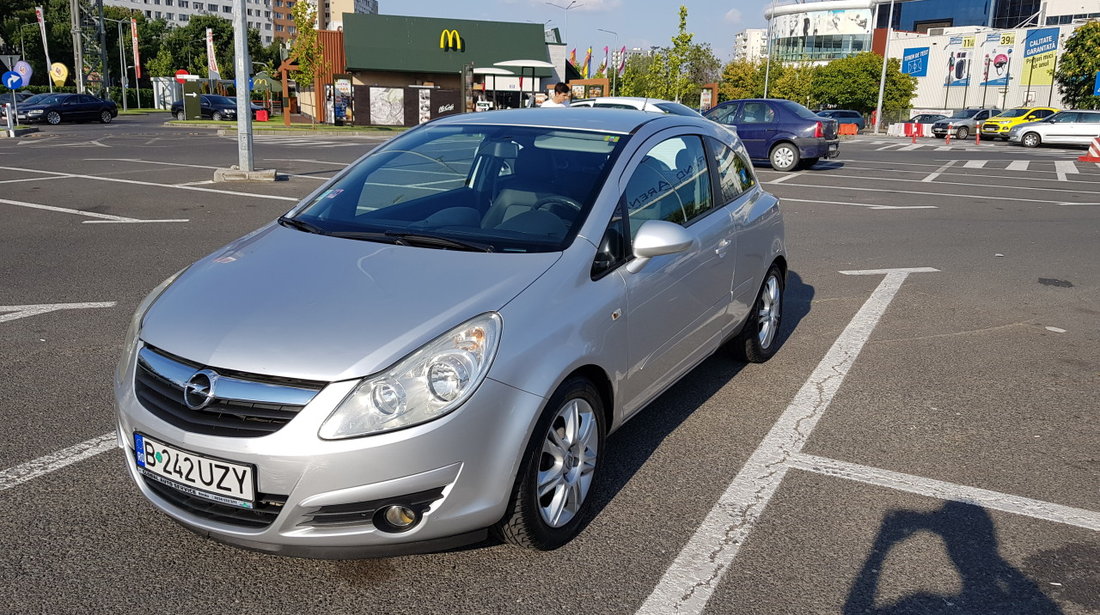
(1017, 165)
(975, 164)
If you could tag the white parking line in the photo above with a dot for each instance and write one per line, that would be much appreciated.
(938, 171)
(55, 461)
(25, 179)
(197, 166)
(691, 579)
(1064, 167)
(15, 312)
(786, 177)
(1017, 165)
(154, 184)
(909, 148)
(974, 164)
(928, 487)
(100, 218)
(941, 194)
(945, 183)
(867, 205)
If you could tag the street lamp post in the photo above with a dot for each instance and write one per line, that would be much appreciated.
(771, 49)
(885, 58)
(121, 61)
(572, 5)
(615, 69)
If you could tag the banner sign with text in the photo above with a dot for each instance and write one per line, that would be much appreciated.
(997, 60)
(1040, 50)
(915, 61)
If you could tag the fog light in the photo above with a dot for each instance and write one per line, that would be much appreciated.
(397, 518)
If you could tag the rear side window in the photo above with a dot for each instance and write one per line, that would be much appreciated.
(671, 183)
(723, 114)
(734, 173)
(756, 113)
(1089, 118)
(1041, 113)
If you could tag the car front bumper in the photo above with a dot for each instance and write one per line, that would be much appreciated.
(467, 460)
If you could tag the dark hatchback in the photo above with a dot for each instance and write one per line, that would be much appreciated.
(783, 132)
(57, 108)
(214, 107)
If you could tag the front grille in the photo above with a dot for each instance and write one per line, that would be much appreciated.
(162, 395)
(361, 513)
(267, 506)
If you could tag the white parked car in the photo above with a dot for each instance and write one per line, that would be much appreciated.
(655, 105)
(1063, 128)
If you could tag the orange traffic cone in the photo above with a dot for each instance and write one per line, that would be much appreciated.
(1094, 152)
(947, 138)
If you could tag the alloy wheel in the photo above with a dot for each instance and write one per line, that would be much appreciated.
(53, 117)
(567, 462)
(770, 310)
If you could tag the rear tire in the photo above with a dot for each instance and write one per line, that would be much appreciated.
(562, 461)
(53, 117)
(759, 337)
(1031, 139)
(784, 157)
(962, 133)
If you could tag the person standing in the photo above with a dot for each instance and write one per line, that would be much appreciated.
(560, 97)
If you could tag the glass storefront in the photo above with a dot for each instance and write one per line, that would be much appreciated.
(823, 47)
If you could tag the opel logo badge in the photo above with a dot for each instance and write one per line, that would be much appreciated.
(198, 392)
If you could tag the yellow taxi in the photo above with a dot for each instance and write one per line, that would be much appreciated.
(999, 125)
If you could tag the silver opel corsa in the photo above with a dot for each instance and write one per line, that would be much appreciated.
(436, 343)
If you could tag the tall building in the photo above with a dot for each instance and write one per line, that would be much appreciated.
(750, 44)
(179, 12)
(329, 14)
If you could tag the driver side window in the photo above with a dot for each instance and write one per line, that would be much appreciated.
(671, 183)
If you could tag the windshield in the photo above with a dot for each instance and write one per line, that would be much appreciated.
(41, 99)
(965, 113)
(498, 188)
(1014, 113)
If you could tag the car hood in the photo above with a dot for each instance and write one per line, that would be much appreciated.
(24, 108)
(287, 303)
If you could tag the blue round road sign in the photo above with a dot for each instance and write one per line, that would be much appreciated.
(13, 80)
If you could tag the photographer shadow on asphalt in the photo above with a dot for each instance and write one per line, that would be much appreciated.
(989, 584)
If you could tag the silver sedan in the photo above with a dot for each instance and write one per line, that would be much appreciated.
(436, 343)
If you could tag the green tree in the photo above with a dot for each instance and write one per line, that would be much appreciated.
(852, 83)
(1077, 68)
(744, 79)
(306, 48)
(795, 83)
(677, 60)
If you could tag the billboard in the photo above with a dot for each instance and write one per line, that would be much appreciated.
(1040, 49)
(822, 23)
(914, 61)
(960, 55)
(997, 58)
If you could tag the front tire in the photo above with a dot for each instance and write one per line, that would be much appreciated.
(784, 157)
(962, 133)
(560, 467)
(53, 117)
(105, 117)
(758, 339)
(1032, 139)
(217, 116)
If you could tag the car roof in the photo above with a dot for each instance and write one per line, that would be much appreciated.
(621, 121)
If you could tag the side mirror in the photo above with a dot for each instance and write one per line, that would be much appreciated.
(658, 238)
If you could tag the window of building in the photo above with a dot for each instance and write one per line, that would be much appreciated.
(169, 15)
(227, 9)
(267, 14)
(278, 28)
(148, 14)
(183, 4)
(267, 26)
(185, 17)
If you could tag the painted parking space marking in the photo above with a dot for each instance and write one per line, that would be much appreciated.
(867, 205)
(195, 166)
(691, 579)
(941, 194)
(1063, 168)
(974, 164)
(99, 218)
(937, 172)
(909, 148)
(152, 184)
(1017, 165)
(34, 468)
(786, 177)
(25, 179)
(15, 312)
(928, 487)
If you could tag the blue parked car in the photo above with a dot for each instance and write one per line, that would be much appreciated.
(783, 132)
(844, 116)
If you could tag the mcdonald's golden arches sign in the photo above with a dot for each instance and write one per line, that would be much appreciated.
(450, 39)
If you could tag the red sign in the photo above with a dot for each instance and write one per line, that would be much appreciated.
(181, 76)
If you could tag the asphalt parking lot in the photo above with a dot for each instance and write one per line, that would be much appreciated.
(925, 441)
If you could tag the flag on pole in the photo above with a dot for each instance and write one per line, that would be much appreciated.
(134, 42)
(587, 63)
(622, 61)
(573, 57)
(42, 28)
(211, 60)
(603, 65)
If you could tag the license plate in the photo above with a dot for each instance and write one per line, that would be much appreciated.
(198, 475)
(833, 148)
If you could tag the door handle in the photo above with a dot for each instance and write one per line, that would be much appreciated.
(723, 246)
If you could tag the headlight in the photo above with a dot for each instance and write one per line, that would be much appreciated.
(130, 342)
(423, 386)
(35, 112)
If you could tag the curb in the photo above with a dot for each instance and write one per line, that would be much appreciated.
(19, 132)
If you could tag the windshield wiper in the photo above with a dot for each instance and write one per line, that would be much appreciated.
(435, 241)
(301, 225)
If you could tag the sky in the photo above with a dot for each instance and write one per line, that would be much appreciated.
(639, 23)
